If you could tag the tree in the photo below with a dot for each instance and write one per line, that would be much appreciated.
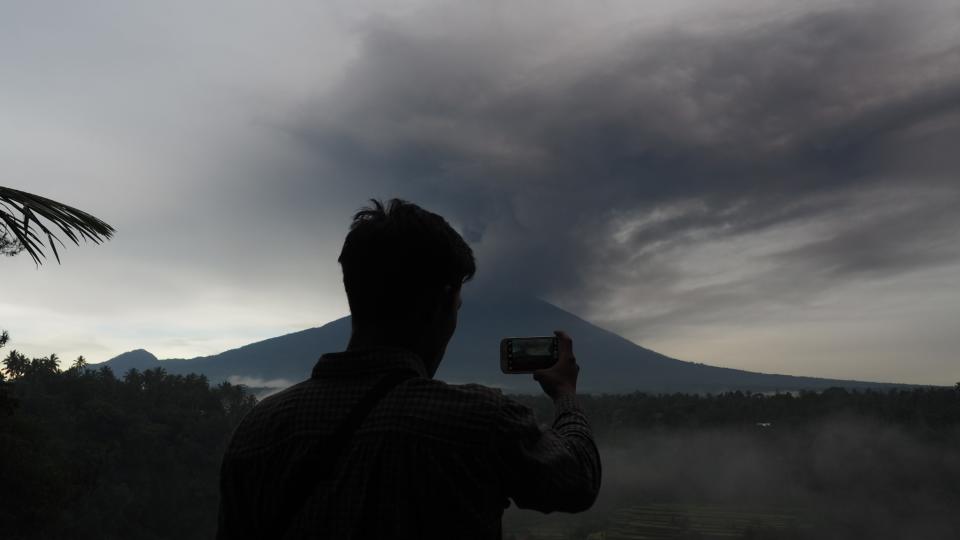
(22, 213)
(94, 457)
(16, 364)
(80, 364)
(4, 337)
(45, 365)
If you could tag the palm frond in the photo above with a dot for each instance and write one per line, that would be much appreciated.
(73, 223)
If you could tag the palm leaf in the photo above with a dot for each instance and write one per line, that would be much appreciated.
(73, 223)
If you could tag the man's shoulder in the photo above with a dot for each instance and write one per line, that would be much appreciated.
(439, 397)
(469, 413)
(465, 413)
(279, 401)
(270, 416)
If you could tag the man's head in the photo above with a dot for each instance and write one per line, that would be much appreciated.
(402, 270)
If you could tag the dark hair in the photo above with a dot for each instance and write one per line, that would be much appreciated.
(396, 258)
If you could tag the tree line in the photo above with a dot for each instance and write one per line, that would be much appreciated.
(927, 409)
(87, 454)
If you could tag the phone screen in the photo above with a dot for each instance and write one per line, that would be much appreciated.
(532, 347)
(531, 354)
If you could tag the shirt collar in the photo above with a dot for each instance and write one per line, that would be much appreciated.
(366, 361)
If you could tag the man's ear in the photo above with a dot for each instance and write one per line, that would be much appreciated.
(451, 297)
(433, 303)
(443, 300)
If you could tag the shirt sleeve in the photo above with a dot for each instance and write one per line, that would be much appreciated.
(555, 469)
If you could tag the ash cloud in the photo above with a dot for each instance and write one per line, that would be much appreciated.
(670, 171)
(586, 172)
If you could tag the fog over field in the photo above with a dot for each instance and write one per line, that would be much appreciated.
(845, 476)
(90, 455)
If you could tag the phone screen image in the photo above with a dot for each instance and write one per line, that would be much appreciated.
(531, 354)
(533, 347)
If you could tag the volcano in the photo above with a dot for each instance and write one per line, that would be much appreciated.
(609, 363)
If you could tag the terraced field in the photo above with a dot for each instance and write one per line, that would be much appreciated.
(662, 521)
(658, 521)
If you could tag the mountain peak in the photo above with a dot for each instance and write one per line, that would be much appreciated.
(139, 359)
(610, 362)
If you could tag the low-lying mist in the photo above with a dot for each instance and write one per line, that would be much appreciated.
(840, 476)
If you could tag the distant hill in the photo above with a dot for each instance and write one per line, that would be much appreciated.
(138, 359)
(610, 363)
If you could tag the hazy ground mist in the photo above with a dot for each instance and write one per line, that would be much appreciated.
(844, 476)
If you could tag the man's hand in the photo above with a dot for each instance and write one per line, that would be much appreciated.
(561, 378)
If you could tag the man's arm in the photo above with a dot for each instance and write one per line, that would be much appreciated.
(558, 468)
(553, 469)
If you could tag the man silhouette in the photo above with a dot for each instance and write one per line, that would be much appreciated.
(371, 446)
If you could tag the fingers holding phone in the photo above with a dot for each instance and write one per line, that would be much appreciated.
(528, 354)
(561, 378)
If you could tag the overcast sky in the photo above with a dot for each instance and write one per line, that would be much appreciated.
(764, 185)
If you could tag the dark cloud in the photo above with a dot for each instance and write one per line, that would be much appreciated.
(914, 233)
(664, 169)
(664, 141)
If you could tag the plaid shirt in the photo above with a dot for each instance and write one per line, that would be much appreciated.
(431, 460)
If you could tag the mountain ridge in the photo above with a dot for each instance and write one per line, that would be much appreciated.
(610, 363)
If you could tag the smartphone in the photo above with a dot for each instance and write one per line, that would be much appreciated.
(528, 354)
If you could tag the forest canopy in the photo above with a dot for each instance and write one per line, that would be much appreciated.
(85, 453)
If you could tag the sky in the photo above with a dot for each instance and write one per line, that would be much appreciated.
(763, 185)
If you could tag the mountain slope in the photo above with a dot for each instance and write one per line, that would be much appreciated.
(138, 359)
(609, 362)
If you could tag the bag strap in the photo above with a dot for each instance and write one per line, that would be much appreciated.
(320, 462)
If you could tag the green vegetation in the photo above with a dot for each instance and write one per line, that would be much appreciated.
(84, 454)
(926, 410)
